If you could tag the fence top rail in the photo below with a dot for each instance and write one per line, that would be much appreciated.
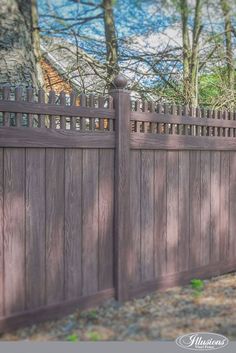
(28, 101)
(167, 118)
(58, 110)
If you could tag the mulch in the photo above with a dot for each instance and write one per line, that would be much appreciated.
(158, 316)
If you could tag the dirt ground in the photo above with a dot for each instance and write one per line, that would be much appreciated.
(159, 316)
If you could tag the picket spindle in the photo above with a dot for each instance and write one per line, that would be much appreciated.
(110, 107)
(73, 97)
(52, 100)
(101, 102)
(175, 127)
(146, 126)
(91, 105)
(153, 126)
(138, 123)
(198, 128)
(18, 98)
(62, 100)
(30, 99)
(204, 128)
(185, 114)
(231, 118)
(221, 130)
(192, 127)
(82, 119)
(6, 96)
(41, 99)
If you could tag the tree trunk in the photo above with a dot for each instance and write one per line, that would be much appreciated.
(190, 52)
(111, 41)
(18, 60)
(194, 65)
(229, 49)
(186, 49)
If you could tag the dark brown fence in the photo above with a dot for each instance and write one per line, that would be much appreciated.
(107, 199)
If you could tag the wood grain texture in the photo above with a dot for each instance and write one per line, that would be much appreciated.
(90, 222)
(106, 221)
(135, 216)
(14, 230)
(54, 225)
(150, 141)
(232, 205)
(205, 207)
(185, 120)
(121, 99)
(73, 223)
(172, 211)
(195, 217)
(51, 109)
(1, 235)
(29, 137)
(35, 228)
(160, 210)
(215, 207)
(183, 215)
(147, 214)
(224, 204)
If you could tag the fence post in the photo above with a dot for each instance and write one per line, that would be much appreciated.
(121, 98)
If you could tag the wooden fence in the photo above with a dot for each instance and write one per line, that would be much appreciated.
(109, 199)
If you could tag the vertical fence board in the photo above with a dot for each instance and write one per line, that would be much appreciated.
(90, 221)
(232, 205)
(135, 215)
(172, 211)
(106, 211)
(14, 229)
(160, 213)
(195, 217)
(54, 225)
(215, 206)
(183, 216)
(1, 234)
(35, 227)
(73, 223)
(205, 207)
(147, 212)
(224, 204)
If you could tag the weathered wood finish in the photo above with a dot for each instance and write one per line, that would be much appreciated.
(55, 225)
(90, 222)
(35, 227)
(58, 110)
(89, 212)
(105, 218)
(177, 143)
(122, 189)
(14, 230)
(73, 223)
(55, 138)
(189, 221)
(56, 239)
(147, 212)
(1, 234)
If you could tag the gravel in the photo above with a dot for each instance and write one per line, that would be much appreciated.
(158, 316)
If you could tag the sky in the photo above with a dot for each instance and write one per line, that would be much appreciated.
(134, 18)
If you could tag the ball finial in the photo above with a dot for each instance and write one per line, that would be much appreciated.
(120, 81)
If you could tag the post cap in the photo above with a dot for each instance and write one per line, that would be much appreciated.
(119, 81)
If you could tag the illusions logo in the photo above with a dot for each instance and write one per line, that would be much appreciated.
(202, 341)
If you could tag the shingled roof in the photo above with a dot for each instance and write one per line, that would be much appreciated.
(76, 68)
